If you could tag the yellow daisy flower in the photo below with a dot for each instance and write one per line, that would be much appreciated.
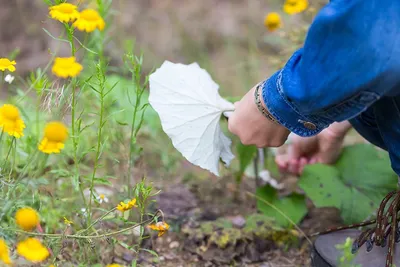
(161, 227)
(27, 218)
(126, 206)
(89, 20)
(132, 203)
(6, 64)
(55, 134)
(64, 12)
(114, 265)
(272, 21)
(32, 250)
(4, 252)
(68, 222)
(295, 6)
(10, 121)
(65, 67)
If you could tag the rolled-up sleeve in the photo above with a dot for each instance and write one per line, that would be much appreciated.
(351, 58)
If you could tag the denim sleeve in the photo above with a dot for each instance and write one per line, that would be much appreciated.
(351, 58)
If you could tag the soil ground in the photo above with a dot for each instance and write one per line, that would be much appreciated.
(186, 203)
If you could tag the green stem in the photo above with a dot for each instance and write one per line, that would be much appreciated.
(38, 117)
(42, 164)
(14, 149)
(84, 236)
(1, 145)
(129, 174)
(70, 36)
(78, 178)
(96, 160)
(21, 175)
(2, 79)
(8, 153)
(96, 221)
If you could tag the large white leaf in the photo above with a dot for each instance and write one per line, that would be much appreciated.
(190, 107)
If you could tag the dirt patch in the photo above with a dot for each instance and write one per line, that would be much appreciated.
(211, 228)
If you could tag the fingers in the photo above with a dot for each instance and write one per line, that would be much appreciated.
(282, 162)
(303, 162)
(294, 165)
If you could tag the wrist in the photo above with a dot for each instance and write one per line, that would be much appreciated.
(338, 130)
(259, 101)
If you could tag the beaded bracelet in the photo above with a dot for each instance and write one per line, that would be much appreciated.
(261, 108)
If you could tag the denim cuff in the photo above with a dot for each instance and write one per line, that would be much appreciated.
(285, 112)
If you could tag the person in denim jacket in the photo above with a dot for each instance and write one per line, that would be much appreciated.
(347, 74)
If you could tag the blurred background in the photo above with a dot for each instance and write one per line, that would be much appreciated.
(207, 214)
(227, 37)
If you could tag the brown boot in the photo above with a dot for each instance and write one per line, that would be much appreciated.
(379, 249)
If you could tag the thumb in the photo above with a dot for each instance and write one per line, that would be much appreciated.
(294, 151)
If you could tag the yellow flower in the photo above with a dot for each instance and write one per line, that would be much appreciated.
(114, 265)
(11, 121)
(32, 250)
(161, 227)
(89, 20)
(295, 6)
(132, 203)
(6, 64)
(27, 218)
(4, 252)
(55, 134)
(272, 21)
(65, 67)
(126, 206)
(64, 12)
(68, 222)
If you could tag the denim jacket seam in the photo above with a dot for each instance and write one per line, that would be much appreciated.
(300, 130)
(336, 106)
(313, 118)
(279, 87)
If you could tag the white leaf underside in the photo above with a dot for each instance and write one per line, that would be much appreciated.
(190, 107)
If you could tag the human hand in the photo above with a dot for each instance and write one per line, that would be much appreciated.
(322, 148)
(250, 125)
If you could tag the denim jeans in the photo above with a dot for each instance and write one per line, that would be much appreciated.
(380, 125)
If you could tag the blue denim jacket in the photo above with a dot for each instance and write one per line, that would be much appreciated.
(348, 69)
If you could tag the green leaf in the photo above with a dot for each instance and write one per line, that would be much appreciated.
(355, 185)
(368, 168)
(293, 206)
(246, 155)
(102, 180)
(150, 251)
(124, 92)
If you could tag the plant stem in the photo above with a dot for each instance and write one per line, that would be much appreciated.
(8, 153)
(129, 174)
(281, 213)
(84, 236)
(14, 149)
(77, 178)
(2, 79)
(1, 145)
(70, 36)
(96, 221)
(98, 147)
